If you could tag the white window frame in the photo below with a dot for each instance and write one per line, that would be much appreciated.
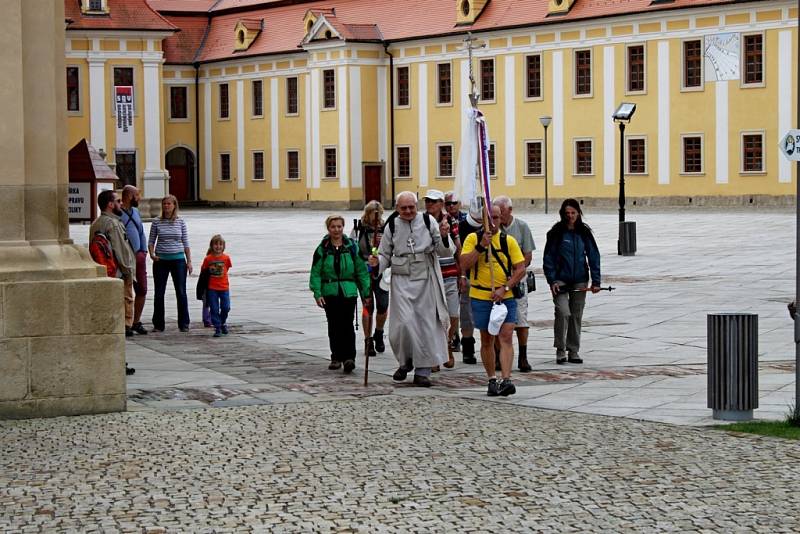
(702, 86)
(590, 94)
(763, 135)
(628, 138)
(219, 166)
(763, 82)
(188, 111)
(397, 86)
(299, 166)
(494, 80)
(322, 91)
(219, 102)
(325, 162)
(575, 141)
(253, 166)
(439, 175)
(525, 144)
(492, 144)
(78, 112)
(85, 7)
(527, 98)
(286, 96)
(252, 99)
(452, 85)
(643, 44)
(410, 163)
(702, 154)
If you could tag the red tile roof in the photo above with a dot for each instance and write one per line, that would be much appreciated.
(123, 15)
(182, 47)
(395, 20)
(177, 6)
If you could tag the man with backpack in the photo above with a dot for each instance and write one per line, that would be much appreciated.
(132, 220)
(495, 265)
(108, 231)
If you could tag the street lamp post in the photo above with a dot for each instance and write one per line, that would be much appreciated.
(626, 245)
(545, 122)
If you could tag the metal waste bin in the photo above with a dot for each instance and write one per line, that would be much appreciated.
(732, 365)
(626, 245)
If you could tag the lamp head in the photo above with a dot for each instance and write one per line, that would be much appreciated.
(545, 121)
(624, 112)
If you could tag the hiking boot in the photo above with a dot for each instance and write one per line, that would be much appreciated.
(506, 388)
(422, 381)
(468, 351)
(400, 374)
(455, 344)
(523, 365)
(370, 347)
(139, 329)
(349, 365)
(492, 389)
(128, 331)
(377, 339)
(334, 365)
(129, 370)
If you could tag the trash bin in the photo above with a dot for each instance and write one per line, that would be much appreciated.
(626, 245)
(733, 365)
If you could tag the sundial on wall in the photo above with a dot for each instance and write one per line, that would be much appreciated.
(722, 57)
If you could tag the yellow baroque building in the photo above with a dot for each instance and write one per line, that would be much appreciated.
(333, 102)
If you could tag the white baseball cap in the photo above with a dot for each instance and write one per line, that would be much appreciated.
(434, 194)
(496, 317)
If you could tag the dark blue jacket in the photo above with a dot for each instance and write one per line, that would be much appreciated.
(569, 256)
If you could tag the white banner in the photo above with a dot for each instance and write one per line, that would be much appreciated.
(123, 102)
(79, 201)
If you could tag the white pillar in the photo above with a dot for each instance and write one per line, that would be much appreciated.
(608, 110)
(155, 177)
(344, 135)
(558, 118)
(722, 131)
(273, 133)
(511, 123)
(97, 102)
(207, 156)
(785, 76)
(663, 113)
(355, 127)
(240, 163)
(422, 105)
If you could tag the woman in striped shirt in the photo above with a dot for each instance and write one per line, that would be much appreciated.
(169, 250)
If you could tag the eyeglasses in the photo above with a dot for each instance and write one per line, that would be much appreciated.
(451, 203)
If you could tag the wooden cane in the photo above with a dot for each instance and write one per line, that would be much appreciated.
(366, 358)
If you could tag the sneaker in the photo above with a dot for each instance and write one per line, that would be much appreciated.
(422, 381)
(561, 358)
(217, 333)
(334, 365)
(224, 329)
(139, 329)
(128, 331)
(129, 370)
(400, 374)
(575, 359)
(492, 390)
(506, 388)
(377, 338)
(349, 365)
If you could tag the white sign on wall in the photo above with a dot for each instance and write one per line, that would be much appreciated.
(123, 103)
(79, 201)
(790, 145)
(722, 57)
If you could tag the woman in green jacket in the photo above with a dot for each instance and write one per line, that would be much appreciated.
(338, 275)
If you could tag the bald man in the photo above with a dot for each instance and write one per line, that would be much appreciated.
(132, 220)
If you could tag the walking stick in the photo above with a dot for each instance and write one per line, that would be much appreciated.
(589, 289)
(366, 356)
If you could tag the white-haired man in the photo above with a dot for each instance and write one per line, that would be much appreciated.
(519, 230)
(418, 315)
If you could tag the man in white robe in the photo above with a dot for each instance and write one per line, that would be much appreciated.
(418, 315)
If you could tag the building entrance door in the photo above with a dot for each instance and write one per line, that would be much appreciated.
(373, 176)
(180, 166)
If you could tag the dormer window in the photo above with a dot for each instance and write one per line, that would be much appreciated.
(246, 31)
(309, 25)
(465, 8)
(94, 7)
(559, 7)
(468, 11)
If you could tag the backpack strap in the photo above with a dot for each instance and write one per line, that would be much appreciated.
(390, 222)
(505, 266)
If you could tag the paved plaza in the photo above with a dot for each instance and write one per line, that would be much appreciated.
(252, 432)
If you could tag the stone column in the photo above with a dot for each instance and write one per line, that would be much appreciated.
(62, 344)
(155, 177)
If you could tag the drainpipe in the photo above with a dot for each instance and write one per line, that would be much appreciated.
(391, 117)
(196, 184)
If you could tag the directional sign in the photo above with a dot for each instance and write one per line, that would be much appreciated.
(790, 145)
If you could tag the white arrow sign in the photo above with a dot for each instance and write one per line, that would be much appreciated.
(790, 145)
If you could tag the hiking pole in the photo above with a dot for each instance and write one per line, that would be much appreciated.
(366, 355)
(587, 289)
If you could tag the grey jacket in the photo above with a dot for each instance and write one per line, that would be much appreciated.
(111, 226)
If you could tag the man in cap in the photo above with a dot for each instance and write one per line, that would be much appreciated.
(467, 343)
(418, 315)
(448, 262)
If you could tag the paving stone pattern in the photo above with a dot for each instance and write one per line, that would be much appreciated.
(389, 464)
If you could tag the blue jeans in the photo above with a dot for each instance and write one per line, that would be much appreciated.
(162, 270)
(220, 304)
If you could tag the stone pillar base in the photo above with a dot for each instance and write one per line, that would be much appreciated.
(62, 334)
(155, 183)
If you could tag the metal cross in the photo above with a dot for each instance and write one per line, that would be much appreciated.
(410, 242)
(469, 46)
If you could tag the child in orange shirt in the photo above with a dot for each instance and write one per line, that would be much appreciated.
(218, 295)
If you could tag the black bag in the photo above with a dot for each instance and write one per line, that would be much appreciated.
(202, 284)
(517, 292)
(531, 281)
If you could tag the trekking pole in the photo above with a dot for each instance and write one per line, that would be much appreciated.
(366, 354)
(585, 289)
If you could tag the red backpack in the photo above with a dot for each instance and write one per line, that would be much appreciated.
(101, 252)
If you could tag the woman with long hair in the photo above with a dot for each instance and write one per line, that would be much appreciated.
(368, 234)
(169, 249)
(338, 275)
(570, 257)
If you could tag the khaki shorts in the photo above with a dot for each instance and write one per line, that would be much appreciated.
(522, 307)
(451, 295)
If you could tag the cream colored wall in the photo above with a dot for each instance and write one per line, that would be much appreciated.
(78, 124)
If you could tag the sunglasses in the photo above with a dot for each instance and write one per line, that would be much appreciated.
(449, 203)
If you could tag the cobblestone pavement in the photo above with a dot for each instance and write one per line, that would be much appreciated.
(389, 464)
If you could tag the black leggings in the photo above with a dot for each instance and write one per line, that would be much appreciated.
(341, 335)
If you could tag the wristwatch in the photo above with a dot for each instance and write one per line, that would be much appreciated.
(507, 288)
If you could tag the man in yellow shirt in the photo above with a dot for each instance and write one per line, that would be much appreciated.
(489, 287)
